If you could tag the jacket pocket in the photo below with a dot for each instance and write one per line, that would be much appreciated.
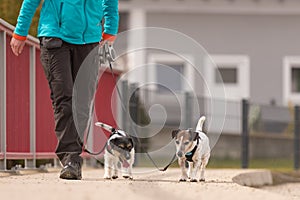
(49, 18)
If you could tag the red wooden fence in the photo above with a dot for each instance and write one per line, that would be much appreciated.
(26, 120)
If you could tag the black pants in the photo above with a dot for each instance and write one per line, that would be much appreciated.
(61, 62)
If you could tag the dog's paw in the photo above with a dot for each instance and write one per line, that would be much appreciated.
(115, 177)
(193, 180)
(107, 177)
(182, 180)
(127, 177)
(202, 180)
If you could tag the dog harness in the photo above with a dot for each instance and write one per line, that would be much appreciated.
(109, 148)
(189, 155)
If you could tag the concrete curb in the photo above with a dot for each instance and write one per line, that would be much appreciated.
(257, 178)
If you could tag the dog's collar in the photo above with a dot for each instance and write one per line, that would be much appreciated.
(189, 155)
(109, 148)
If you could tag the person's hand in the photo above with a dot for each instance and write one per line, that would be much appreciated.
(107, 38)
(102, 42)
(17, 45)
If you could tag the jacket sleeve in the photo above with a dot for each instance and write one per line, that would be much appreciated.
(111, 16)
(25, 16)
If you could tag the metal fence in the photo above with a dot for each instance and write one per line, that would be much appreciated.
(26, 128)
(250, 131)
(270, 132)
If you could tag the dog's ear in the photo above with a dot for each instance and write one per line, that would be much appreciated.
(175, 132)
(113, 131)
(115, 140)
(194, 136)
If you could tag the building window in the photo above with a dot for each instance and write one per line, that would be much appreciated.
(226, 75)
(295, 74)
(291, 80)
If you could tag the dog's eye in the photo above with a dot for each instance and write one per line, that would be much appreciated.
(129, 146)
(186, 143)
(177, 142)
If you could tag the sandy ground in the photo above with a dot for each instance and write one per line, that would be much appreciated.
(150, 185)
(291, 190)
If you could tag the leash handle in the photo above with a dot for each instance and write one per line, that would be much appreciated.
(110, 52)
(106, 53)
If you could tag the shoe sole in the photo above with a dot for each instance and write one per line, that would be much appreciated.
(69, 176)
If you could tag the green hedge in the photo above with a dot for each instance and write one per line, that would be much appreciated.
(9, 11)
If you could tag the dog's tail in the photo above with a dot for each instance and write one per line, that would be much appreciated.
(105, 126)
(200, 123)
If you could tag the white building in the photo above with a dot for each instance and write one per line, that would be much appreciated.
(254, 43)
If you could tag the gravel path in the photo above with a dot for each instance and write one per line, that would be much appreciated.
(291, 190)
(154, 185)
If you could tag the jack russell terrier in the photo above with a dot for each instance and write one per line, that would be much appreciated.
(192, 147)
(119, 153)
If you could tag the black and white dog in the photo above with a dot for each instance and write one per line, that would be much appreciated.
(119, 153)
(192, 147)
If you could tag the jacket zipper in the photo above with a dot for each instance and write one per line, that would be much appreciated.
(60, 13)
(86, 22)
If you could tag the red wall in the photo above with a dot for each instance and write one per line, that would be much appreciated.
(17, 100)
(18, 105)
(104, 105)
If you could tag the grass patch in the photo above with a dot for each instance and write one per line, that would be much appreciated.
(220, 163)
(282, 165)
(272, 164)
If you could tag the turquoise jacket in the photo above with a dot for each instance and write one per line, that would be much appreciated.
(74, 21)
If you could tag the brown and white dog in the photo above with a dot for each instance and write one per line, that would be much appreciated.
(192, 147)
(119, 153)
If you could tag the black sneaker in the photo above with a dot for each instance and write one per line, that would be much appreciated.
(71, 171)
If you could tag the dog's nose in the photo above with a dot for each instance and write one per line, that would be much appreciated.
(127, 156)
(179, 154)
